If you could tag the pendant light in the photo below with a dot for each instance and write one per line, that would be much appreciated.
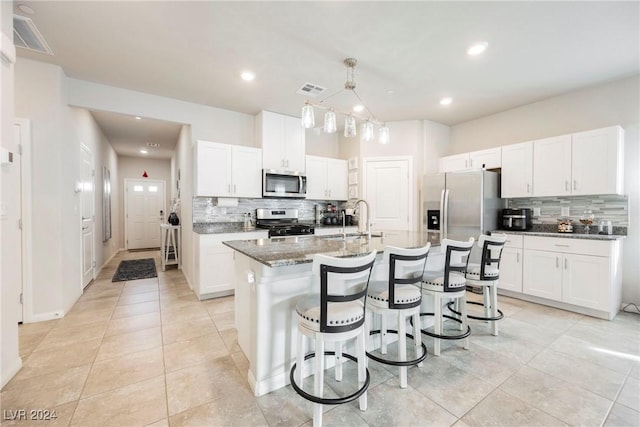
(329, 126)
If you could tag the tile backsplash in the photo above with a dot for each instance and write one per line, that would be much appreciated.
(606, 207)
(205, 209)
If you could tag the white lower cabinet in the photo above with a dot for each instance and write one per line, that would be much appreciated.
(214, 272)
(511, 264)
(583, 275)
(328, 231)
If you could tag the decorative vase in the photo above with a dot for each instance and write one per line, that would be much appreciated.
(173, 219)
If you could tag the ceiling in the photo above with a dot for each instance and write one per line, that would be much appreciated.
(410, 54)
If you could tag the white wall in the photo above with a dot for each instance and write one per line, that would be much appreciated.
(133, 168)
(183, 162)
(436, 145)
(10, 236)
(321, 144)
(613, 103)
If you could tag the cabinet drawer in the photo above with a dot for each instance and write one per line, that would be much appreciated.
(513, 241)
(567, 245)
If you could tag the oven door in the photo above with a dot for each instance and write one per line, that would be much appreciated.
(280, 184)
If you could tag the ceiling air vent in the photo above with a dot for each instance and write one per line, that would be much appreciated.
(27, 36)
(311, 90)
(153, 144)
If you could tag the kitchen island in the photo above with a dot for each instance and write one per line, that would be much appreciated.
(272, 273)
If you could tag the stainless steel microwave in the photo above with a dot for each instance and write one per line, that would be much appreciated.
(283, 184)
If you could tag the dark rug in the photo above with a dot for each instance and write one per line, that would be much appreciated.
(135, 269)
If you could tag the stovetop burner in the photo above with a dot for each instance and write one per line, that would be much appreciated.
(282, 222)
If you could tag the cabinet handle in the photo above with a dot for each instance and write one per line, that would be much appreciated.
(557, 262)
(575, 184)
(471, 163)
(234, 189)
(528, 188)
(565, 263)
(562, 246)
(229, 189)
(465, 164)
(287, 161)
(329, 193)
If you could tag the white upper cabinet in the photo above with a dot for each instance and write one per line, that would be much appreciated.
(552, 166)
(517, 170)
(224, 170)
(487, 159)
(326, 178)
(457, 162)
(589, 162)
(282, 139)
(597, 161)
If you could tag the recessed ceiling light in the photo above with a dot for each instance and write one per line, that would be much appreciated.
(446, 101)
(138, 118)
(477, 48)
(358, 108)
(248, 75)
(143, 151)
(26, 9)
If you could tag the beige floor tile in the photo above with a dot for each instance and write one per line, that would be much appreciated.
(225, 411)
(613, 336)
(45, 391)
(454, 389)
(220, 305)
(183, 313)
(621, 416)
(100, 294)
(85, 317)
(557, 397)
(630, 394)
(64, 336)
(491, 366)
(141, 282)
(224, 321)
(28, 343)
(185, 331)
(50, 417)
(548, 317)
(339, 416)
(130, 342)
(138, 298)
(83, 306)
(605, 382)
(230, 338)
(37, 328)
(242, 363)
(142, 288)
(195, 351)
(71, 356)
(199, 384)
(122, 311)
(161, 423)
(134, 405)
(585, 350)
(133, 323)
(122, 371)
(284, 407)
(502, 409)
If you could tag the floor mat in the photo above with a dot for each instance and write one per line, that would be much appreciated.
(135, 269)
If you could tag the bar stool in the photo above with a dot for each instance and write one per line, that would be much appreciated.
(486, 275)
(450, 284)
(335, 315)
(399, 296)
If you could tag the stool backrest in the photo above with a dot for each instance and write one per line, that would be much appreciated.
(406, 267)
(456, 260)
(491, 253)
(342, 280)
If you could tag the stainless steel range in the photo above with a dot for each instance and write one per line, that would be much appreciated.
(282, 222)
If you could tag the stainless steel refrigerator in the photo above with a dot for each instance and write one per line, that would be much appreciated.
(459, 205)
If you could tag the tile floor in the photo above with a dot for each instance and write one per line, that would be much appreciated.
(147, 352)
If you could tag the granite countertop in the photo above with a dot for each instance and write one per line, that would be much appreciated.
(591, 236)
(222, 227)
(283, 251)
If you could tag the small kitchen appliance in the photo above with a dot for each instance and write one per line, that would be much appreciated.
(283, 184)
(282, 222)
(516, 219)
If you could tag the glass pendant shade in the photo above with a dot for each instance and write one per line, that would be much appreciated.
(367, 131)
(330, 125)
(350, 127)
(384, 135)
(308, 119)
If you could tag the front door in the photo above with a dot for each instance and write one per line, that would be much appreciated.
(387, 190)
(144, 210)
(87, 203)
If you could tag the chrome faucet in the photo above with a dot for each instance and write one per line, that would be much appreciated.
(368, 213)
(344, 229)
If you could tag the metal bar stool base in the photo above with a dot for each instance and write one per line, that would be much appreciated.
(324, 400)
(445, 337)
(398, 362)
(489, 319)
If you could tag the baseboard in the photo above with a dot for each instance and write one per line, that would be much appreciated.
(109, 260)
(52, 315)
(11, 372)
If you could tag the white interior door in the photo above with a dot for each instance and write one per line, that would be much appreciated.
(145, 203)
(387, 189)
(87, 206)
